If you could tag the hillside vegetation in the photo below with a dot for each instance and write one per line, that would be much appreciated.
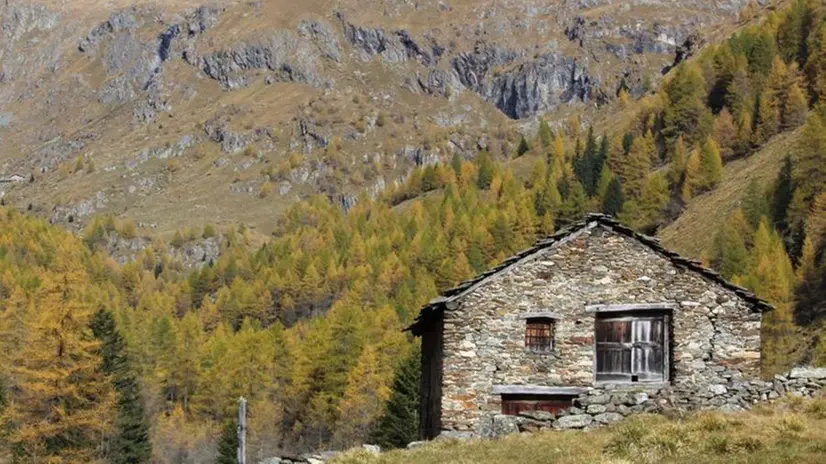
(688, 234)
(790, 432)
(149, 357)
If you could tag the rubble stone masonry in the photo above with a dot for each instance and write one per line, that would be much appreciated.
(714, 336)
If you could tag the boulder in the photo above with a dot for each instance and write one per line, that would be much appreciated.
(454, 435)
(596, 399)
(717, 389)
(808, 373)
(637, 398)
(577, 421)
(596, 409)
(538, 415)
(608, 417)
(504, 425)
(374, 449)
(275, 460)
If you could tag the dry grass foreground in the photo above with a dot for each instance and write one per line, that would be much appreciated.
(790, 431)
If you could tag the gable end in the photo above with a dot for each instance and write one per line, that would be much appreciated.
(449, 299)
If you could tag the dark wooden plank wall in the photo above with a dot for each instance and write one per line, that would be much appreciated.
(430, 396)
(514, 404)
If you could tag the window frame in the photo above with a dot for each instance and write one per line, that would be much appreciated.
(664, 315)
(536, 348)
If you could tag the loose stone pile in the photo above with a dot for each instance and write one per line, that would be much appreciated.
(602, 406)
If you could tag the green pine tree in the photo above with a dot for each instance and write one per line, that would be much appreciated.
(731, 257)
(398, 425)
(755, 204)
(782, 197)
(685, 112)
(544, 134)
(614, 199)
(228, 444)
(711, 165)
(523, 147)
(791, 33)
(486, 170)
(131, 444)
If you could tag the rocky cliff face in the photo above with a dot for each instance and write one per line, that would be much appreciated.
(120, 106)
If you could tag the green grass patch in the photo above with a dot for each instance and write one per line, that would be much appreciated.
(790, 431)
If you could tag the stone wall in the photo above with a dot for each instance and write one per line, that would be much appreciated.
(715, 335)
(601, 406)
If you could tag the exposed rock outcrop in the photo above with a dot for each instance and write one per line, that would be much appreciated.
(691, 45)
(539, 85)
(288, 58)
(323, 35)
(395, 47)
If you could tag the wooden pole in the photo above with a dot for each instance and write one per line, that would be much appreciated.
(242, 431)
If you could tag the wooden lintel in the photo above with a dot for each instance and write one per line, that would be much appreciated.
(613, 308)
(536, 390)
(539, 315)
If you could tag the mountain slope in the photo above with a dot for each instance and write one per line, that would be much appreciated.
(693, 231)
(177, 113)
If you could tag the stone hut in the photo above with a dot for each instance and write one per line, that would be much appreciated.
(589, 325)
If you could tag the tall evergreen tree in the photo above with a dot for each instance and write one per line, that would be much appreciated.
(794, 110)
(544, 134)
(810, 163)
(685, 111)
(767, 116)
(635, 166)
(614, 199)
(486, 170)
(816, 65)
(782, 196)
(678, 161)
(691, 177)
(398, 425)
(791, 33)
(730, 254)
(601, 158)
(588, 164)
(653, 200)
(725, 133)
(755, 204)
(228, 444)
(711, 165)
(523, 147)
(738, 97)
(130, 444)
(723, 65)
(547, 200)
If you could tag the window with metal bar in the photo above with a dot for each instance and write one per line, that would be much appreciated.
(539, 335)
(632, 348)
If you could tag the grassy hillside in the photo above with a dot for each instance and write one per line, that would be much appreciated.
(693, 231)
(792, 431)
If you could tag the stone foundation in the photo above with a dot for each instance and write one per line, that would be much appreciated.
(601, 406)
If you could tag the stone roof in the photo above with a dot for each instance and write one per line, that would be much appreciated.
(451, 295)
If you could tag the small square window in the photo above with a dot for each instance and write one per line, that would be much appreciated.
(539, 335)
